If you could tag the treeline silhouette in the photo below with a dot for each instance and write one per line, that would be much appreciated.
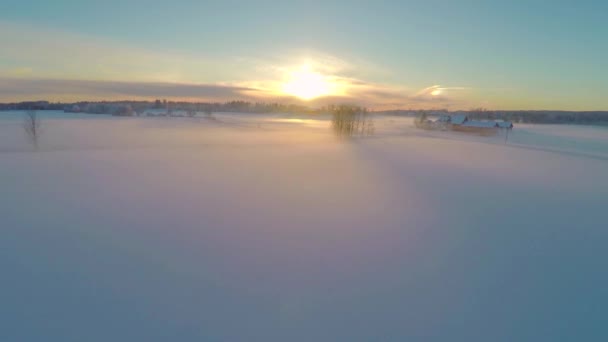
(135, 107)
(112, 107)
(518, 116)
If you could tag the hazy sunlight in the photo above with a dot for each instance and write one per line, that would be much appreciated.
(307, 84)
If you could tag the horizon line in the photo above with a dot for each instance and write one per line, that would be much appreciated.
(126, 101)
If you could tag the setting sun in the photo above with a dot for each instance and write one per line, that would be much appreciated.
(307, 84)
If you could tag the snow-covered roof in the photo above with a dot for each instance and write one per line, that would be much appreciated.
(481, 124)
(444, 118)
(458, 119)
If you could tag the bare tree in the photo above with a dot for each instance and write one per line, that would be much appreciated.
(31, 124)
(351, 121)
(421, 119)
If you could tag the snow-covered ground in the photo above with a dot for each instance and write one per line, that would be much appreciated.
(269, 228)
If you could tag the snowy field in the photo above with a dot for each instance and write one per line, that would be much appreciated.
(269, 228)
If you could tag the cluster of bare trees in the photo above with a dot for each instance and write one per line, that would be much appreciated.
(421, 120)
(350, 121)
(31, 125)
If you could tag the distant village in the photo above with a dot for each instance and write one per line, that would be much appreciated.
(515, 116)
(161, 107)
(128, 110)
(462, 123)
(476, 116)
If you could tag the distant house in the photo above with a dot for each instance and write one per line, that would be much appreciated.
(458, 119)
(462, 123)
(478, 127)
(444, 122)
(505, 124)
(444, 119)
(480, 124)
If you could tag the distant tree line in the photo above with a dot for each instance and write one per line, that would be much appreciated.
(134, 107)
(521, 116)
(126, 108)
(541, 116)
(32, 105)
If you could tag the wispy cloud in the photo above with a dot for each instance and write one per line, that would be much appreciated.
(58, 65)
(66, 55)
(71, 90)
(349, 77)
(359, 92)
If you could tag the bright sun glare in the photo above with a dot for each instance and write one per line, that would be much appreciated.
(307, 84)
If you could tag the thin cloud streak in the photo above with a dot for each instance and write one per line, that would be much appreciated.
(374, 96)
(55, 54)
(72, 90)
(64, 66)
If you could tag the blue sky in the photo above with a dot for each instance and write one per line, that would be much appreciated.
(495, 54)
